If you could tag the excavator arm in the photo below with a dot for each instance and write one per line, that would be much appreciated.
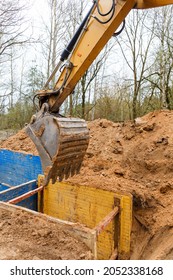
(62, 142)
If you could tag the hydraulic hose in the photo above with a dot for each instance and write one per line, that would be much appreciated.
(65, 54)
(104, 14)
(110, 12)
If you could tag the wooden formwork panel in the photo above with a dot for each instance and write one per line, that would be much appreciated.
(88, 206)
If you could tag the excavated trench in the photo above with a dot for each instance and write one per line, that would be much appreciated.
(132, 157)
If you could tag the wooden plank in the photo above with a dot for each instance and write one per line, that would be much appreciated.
(103, 224)
(11, 193)
(125, 225)
(83, 233)
(24, 196)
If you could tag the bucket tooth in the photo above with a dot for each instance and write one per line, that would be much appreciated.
(78, 168)
(61, 174)
(73, 170)
(61, 178)
(67, 172)
(54, 179)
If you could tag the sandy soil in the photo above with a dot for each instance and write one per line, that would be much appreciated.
(135, 157)
(24, 236)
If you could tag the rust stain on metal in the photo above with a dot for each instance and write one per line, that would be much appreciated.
(40, 131)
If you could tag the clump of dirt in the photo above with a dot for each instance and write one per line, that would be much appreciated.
(19, 142)
(134, 157)
(24, 236)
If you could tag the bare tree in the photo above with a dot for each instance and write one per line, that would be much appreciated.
(52, 33)
(135, 48)
(161, 78)
(11, 19)
(13, 25)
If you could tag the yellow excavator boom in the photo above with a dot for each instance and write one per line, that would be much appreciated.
(146, 4)
(62, 142)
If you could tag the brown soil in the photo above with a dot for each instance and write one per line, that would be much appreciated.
(132, 157)
(19, 142)
(25, 236)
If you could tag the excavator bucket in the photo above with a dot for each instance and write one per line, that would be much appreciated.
(61, 143)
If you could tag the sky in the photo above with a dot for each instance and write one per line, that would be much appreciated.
(38, 8)
(37, 12)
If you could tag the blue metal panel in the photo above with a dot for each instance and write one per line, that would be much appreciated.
(11, 193)
(17, 168)
(3, 187)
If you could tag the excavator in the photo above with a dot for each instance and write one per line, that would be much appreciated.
(62, 142)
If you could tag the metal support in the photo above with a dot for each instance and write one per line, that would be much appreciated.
(101, 226)
(24, 196)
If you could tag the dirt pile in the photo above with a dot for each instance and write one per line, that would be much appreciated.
(19, 142)
(24, 236)
(135, 157)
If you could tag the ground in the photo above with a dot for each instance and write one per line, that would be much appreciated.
(24, 236)
(135, 157)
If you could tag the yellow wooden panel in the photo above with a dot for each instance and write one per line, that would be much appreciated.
(88, 206)
(125, 220)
